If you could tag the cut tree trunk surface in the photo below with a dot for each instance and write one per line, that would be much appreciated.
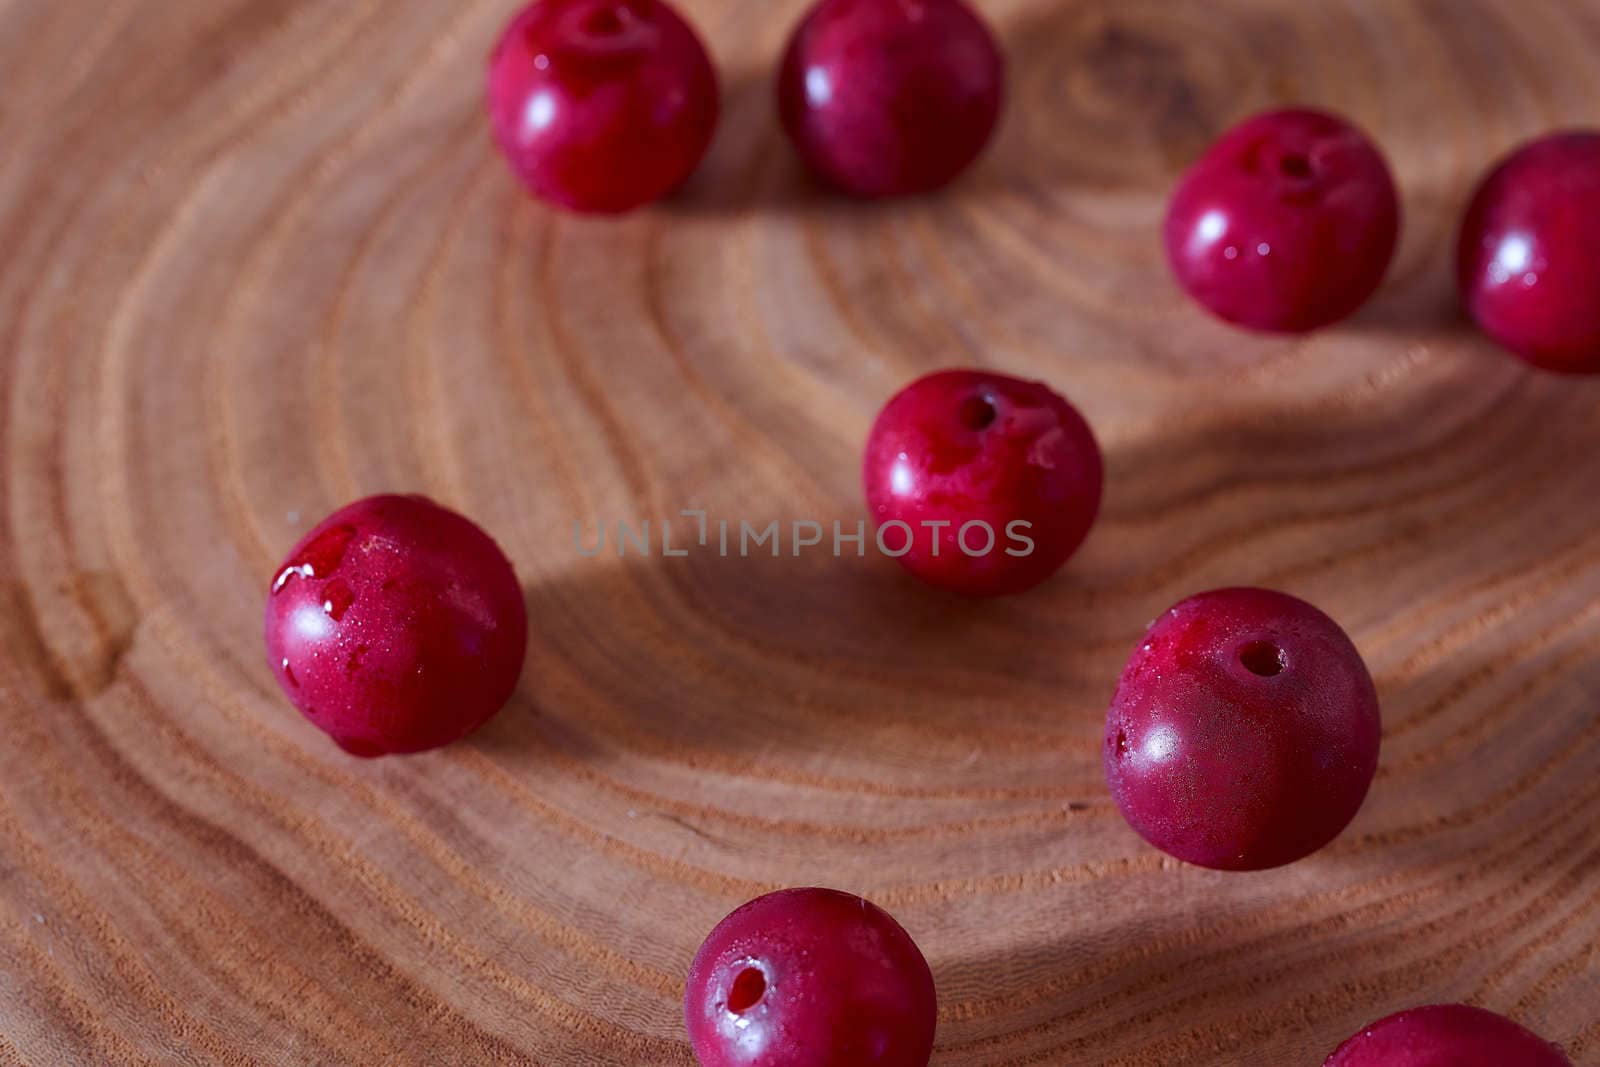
(258, 259)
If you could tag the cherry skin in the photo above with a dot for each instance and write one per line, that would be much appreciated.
(890, 97)
(602, 105)
(1446, 1035)
(964, 447)
(810, 978)
(396, 626)
(1528, 263)
(1244, 732)
(1287, 223)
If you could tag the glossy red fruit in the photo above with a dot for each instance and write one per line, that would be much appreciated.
(810, 978)
(1528, 264)
(1244, 732)
(602, 105)
(890, 97)
(1446, 1035)
(991, 481)
(1287, 223)
(396, 626)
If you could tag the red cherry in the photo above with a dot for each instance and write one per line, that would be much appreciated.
(396, 626)
(890, 97)
(602, 105)
(810, 978)
(1244, 732)
(1528, 264)
(1446, 1035)
(1287, 223)
(991, 481)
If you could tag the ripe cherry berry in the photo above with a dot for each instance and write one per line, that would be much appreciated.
(980, 482)
(396, 626)
(1244, 732)
(890, 97)
(810, 978)
(1287, 223)
(602, 105)
(1528, 264)
(1446, 1035)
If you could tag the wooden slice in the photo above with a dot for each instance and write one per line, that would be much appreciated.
(258, 258)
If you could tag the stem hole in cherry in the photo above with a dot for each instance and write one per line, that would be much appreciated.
(749, 986)
(978, 413)
(605, 21)
(1296, 165)
(1263, 658)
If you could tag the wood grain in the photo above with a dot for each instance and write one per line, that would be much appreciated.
(259, 259)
